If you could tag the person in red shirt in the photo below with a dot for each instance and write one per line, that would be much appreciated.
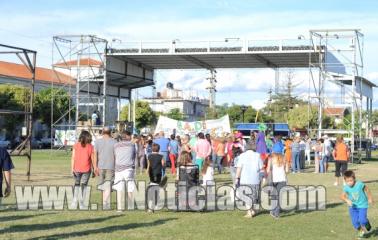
(83, 159)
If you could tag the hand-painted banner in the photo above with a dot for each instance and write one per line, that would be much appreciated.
(216, 127)
(65, 137)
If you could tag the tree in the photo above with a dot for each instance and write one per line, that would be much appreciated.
(16, 98)
(61, 105)
(144, 116)
(374, 117)
(299, 117)
(236, 115)
(210, 113)
(285, 100)
(124, 114)
(216, 112)
(176, 114)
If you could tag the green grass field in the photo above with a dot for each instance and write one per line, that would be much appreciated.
(54, 169)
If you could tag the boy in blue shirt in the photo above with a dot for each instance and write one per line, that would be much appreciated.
(357, 195)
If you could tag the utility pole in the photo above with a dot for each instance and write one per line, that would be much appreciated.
(212, 88)
(270, 101)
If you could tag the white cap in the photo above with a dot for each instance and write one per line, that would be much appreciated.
(325, 136)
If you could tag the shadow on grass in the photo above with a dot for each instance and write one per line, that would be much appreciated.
(373, 233)
(20, 217)
(333, 205)
(371, 181)
(296, 212)
(48, 226)
(367, 160)
(107, 230)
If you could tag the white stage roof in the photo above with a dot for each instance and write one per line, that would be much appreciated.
(218, 54)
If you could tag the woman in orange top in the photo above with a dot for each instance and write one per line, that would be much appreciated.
(341, 156)
(288, 143)
(83, 160)
(220, 152)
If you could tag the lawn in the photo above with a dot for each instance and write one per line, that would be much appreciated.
(54, 169)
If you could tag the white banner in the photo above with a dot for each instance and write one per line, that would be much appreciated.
(216, 127)
(65, 137)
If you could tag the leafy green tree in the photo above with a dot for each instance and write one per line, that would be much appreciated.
(144, 116)
(16, 98)
(216, 112)
(210, 113)
(300, 117)
(176, 114)
(236, 114)
(284, 101)
(61, 105)
(374, 117)
(124, 114)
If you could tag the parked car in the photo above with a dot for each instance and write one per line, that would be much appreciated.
(5, 143)
(36, 144)
(46, 142)
(374, 147)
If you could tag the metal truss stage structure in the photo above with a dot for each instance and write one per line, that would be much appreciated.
(28, 58)
(124, 66)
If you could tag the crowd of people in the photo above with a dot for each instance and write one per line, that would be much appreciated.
(254, 162)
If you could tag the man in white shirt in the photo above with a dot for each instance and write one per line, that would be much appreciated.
(94, 118)
(248, 171)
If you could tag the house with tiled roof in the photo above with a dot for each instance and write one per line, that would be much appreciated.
(90, 62)
(337, 112)
(18, 74)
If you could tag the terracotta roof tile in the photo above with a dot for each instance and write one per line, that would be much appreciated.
(82, 62)
(334, 111)
(15, 70)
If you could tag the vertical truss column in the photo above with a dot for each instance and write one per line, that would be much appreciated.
(212, 88)
(82, 59)
(340, 62)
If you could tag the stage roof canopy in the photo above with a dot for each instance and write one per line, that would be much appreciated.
(230, 53)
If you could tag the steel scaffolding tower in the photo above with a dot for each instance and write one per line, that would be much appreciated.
(82, 57)
(346, 45)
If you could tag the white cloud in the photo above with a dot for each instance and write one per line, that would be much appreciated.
(36, 30)
(258, 103)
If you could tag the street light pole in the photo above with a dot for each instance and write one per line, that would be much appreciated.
(243, 109)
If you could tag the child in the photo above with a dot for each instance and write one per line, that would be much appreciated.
(155, 165)
(236, 151)
(207, 172)
(357, 195)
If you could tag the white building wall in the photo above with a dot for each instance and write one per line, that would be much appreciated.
(192, 110)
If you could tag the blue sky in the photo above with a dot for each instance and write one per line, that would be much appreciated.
(32, 24)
